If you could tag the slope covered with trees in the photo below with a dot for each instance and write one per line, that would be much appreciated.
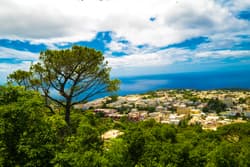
(30, 135)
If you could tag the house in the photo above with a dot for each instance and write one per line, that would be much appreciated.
(183, 110)
(111, 134)
(160, 109)
(138, 115)
(212, 118)
(247, 114)
(173, 119)
(105, 111)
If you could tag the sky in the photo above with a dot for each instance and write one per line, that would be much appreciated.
(137, 37)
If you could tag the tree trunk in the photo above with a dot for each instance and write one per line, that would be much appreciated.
(48, 105)
(67, 113)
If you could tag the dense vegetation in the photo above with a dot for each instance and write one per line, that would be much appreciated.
(30, 135)
(214, 105)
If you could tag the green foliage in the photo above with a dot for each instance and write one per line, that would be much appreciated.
(21, 78)
(75, 75)
(31, 137)
(228, 154)
(26, 138)
(150, 109)
(151, 94)
(83, 148)
(215, 105)
(116, 153)
(242, 100)
(187, 94)
(124, 109)
(113, 97)
(9, 94)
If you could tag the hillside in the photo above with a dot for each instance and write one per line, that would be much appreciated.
(210, 109)
(30, 135)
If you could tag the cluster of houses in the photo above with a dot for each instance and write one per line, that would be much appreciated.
(174, 106)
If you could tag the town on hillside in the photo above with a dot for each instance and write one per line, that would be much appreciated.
(210, 109)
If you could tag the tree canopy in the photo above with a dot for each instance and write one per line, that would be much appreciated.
(68, 77)
(215, 105)
(26, 137)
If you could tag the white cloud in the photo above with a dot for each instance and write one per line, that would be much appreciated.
(220, 41)
(7, 68)
(235, 5)
(24, 58)
(65, 21)
(150, 59)
(223, 53)
(15, 54)
(115, 46)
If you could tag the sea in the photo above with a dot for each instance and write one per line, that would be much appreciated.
(191, 80)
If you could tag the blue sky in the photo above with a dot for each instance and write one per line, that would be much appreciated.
(141, 37)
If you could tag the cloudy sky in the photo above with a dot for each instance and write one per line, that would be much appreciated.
(137, 37)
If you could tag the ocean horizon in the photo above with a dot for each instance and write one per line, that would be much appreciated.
(188, 80)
